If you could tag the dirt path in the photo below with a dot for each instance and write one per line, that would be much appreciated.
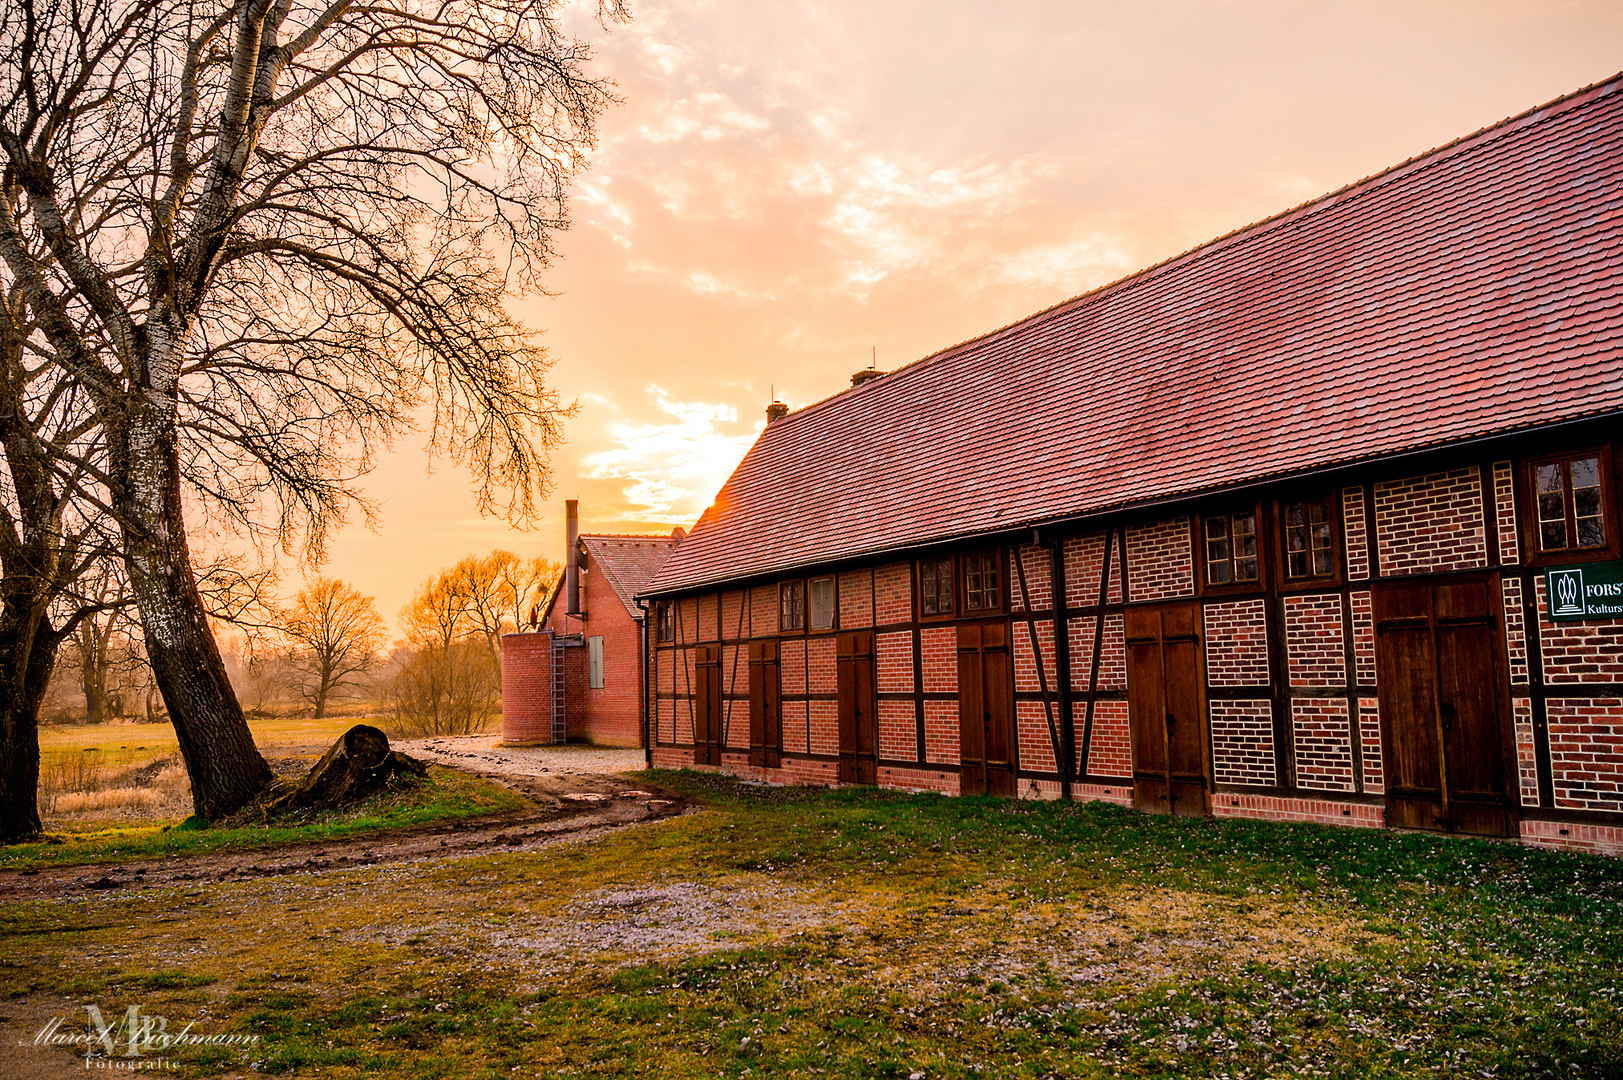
(575, 790)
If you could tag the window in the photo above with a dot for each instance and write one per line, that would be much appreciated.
(1231, 548)
(1308, 549)
(666, 619)
(594, 662)
(1568, 503)
(822, 603)
(983, 582)
(935, 585)
(792, 605)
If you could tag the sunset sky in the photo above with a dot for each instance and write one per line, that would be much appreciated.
(790, 186)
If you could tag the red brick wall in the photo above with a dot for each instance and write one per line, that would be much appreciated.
(1579, 652)
(610, 716)
(1237, 643)
(1243, 741)
(1586, 752)
(822, 666)
(794, 727)
(1323, 744)
(764, 610)
(1504, 501)
(792, 665)
(823, 718)
(1113, 655)
(941, 732)
(735, 615)
(1515, 630)
(1313, 642)
(1425, 524)
(1110, 752)
(1369, 728)
(1318, 811)
(893, 593)
(938, 646)
(1036, 747)
(1027, 677)
(1363, 629)
(1159, 561)
(1081, 634)
(1526, 762)
(1084, 560)
(527, 688)
(894, 662)
(1355, 536)
(1574, 836)
(898, 731)
(709, 624)
(856, 599)
(1039, 590)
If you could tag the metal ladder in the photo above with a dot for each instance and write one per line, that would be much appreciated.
(560, 728)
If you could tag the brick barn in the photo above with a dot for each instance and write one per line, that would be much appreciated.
(579, 677)
(1265, 530)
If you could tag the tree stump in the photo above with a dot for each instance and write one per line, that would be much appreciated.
(359, 764)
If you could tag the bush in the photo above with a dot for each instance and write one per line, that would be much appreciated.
(451, 690)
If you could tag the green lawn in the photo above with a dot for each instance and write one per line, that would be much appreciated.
(789, 932)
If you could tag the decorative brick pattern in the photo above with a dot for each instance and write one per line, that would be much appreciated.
(1579, 652)
(1243, 742)
(823, 725)
(1586, 765)
(1323, 744)
(527, 688)
(735, 617)
(1159, 561)
(1573, 836)
(1039, 591)
(1237, 643)
(1317, 811)
(898, 731)
(938, 646)
(794, 727)
(1110, 752)
(1084, 560)
(822, 666)
(1504, 502)
(1027, 677)
(1526, 752)
(1369, 730)
(893, 593)
(792, 666)
(1515, 630)
(1313, 643)
(709, 627)
(1081, 632)
(941, 732)
(1036, 752)
(1355, 533)
(1363, 630)
(1427, 524)
(894, 663)
(1113, 654)
(856, 599)
(1121, 796)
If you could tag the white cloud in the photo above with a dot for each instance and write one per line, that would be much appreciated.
(673, 468)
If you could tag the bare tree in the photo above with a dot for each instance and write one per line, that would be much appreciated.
(336, 633)
(499, 590)
(258, 236)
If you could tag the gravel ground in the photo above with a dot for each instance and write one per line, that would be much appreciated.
(484, 754)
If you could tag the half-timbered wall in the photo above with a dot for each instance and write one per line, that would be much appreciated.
(1290, 668)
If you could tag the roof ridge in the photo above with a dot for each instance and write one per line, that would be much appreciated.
(654, 537)
(1596, 89)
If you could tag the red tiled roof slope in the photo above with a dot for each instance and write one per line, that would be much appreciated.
(629, 562)
(1468, 292)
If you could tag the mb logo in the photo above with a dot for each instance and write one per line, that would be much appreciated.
(1568, 589)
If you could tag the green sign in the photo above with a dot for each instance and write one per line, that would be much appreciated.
(1591, 591)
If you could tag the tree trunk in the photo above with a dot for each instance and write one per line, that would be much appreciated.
(26, 660)
(225, 767)
(92, 639)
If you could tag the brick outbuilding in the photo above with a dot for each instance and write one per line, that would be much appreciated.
(1317, 522)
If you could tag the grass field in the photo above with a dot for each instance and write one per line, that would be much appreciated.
(130, 740)
(787, 932)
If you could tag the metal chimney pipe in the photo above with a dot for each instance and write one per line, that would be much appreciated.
(571, 560)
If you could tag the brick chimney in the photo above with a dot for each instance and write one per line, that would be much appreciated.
(867, 375)
(776, 411)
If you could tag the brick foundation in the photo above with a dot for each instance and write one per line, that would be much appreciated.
(1574, 836)
(1320, 811)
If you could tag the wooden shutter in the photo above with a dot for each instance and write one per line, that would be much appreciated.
(1166, 709)
(858, 704)
(766, 711)
(707, 707)
(987, 746)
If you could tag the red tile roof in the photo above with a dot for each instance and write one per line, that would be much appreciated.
(628, 562)
(1472, 291)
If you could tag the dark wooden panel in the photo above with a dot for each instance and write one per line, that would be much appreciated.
(1186, 749)
(987, 745)
(766, 711)
(1166, 710)
(858, 706)
(707, 706)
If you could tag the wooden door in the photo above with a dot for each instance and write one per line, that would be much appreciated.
(859, 702)
(987, 747)
(1167, 710)
(707, 706)
(766, 711)
(1442, 718)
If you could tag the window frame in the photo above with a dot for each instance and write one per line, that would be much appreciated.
(1217, 588)
(1000, 562)
(1526, 489)
(1281, 542)
(951, 577)
(833, 604)
(594, 662)
(665, 621)
(798, 587)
